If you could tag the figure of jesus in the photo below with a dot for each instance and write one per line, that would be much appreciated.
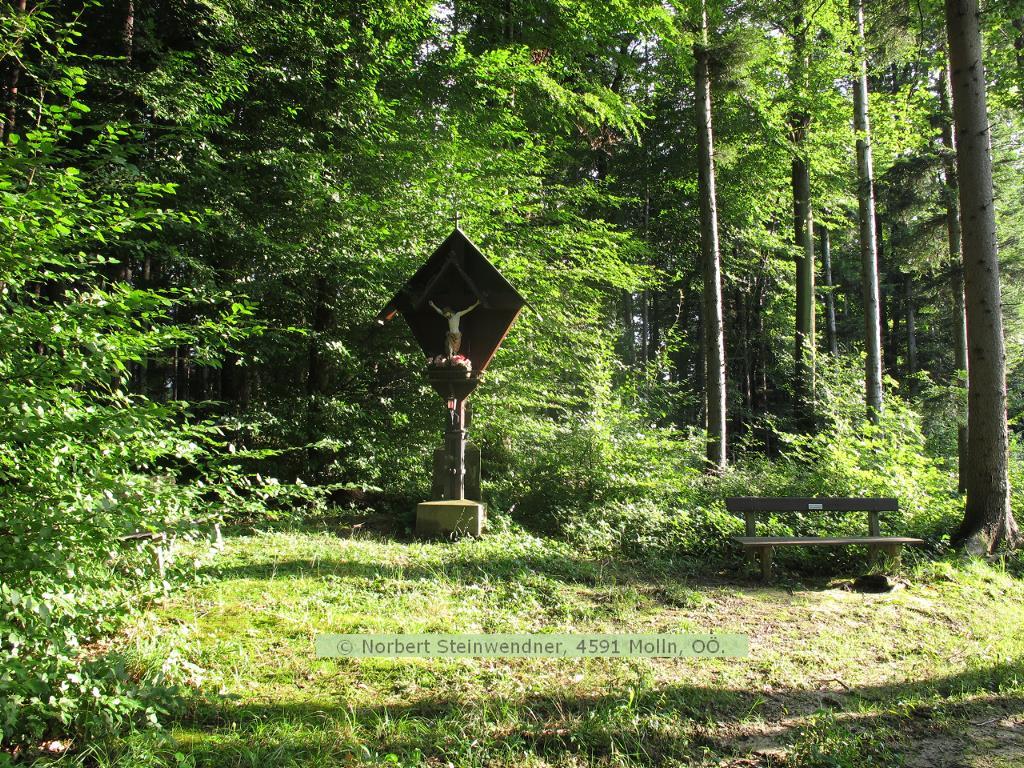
(453, 339)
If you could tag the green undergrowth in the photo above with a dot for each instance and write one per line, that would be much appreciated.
(834, 678)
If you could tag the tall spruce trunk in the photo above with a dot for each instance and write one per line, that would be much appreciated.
(988, 519)
(868, 238)
(714, 333)
(830, 299)
(956, 266)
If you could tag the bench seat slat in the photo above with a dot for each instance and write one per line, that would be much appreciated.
(782, 541)
(810, 504)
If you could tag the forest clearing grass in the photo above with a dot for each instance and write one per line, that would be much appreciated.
(928, 675)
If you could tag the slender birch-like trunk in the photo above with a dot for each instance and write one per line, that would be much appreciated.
(803, 228)
(830, 299)
(868, 239)
(714, 334)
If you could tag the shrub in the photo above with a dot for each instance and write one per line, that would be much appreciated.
(615, 485)
(85, 462)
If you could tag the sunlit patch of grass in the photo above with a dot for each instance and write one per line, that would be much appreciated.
(834, 676)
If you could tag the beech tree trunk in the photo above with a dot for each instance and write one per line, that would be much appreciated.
(714, 335)
(956, 272)
(868, 238)
(830, 299)
(988, 519)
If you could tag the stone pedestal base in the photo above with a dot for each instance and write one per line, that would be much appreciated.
(447, 518)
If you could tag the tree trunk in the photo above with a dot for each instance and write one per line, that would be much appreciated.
(908, 297)
(763, 396)
(830, 299)
(956, 272)
(11, 96)
(988, 519)
(128, 32)
(1018, 46)
(628, 337)
(181, 364)
(316, 372)
(744, 298)
(759, 374)
(317, 375)
(868, 239)
(890, 354)
(714, 338)
(645, 324)
(960, 362)
(803, 230)
(654, 321)
(804, 238)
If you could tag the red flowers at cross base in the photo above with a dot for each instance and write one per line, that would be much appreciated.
(455, 361)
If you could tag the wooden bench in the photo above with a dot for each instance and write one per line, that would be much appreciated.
(765, 545)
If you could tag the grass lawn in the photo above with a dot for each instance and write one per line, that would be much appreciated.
(928, 675)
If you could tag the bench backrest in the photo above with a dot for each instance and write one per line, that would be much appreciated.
(809, 504)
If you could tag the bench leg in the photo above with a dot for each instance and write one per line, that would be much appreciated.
(885, 555)
(892, 552)
(750, 523)
(874, 555)
(766, 562)
(160, 560)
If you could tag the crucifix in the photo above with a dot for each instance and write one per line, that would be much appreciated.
(458, 352)
(453, 339)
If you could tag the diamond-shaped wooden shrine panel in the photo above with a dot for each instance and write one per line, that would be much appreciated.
(454, 279)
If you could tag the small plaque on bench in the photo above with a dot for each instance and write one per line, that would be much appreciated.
(815, 506)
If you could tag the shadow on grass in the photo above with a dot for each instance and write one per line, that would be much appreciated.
(463, 567)
(665, 583)
(795, 570)
(864, 726)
